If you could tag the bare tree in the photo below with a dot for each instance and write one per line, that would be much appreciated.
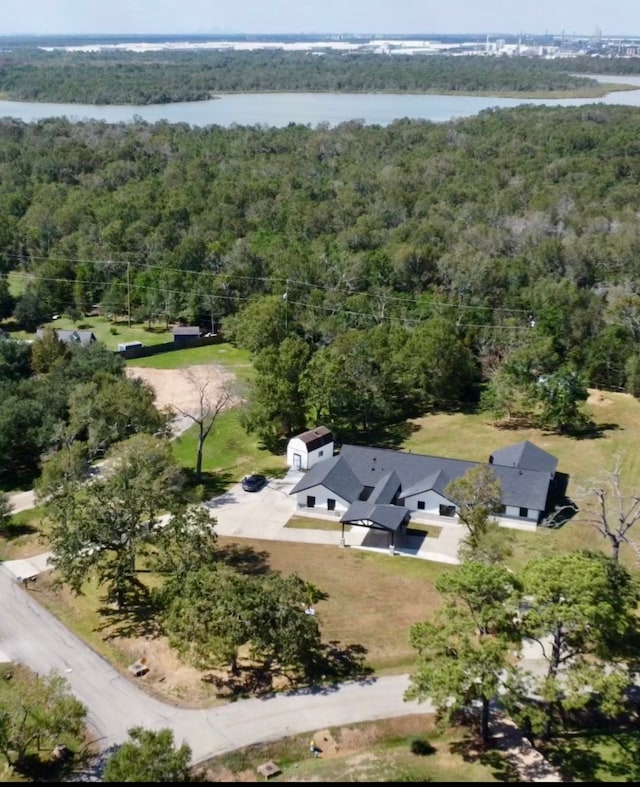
(211, 399)
(615, 512)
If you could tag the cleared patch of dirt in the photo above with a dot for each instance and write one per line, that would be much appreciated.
(598, 399)
(181, 389)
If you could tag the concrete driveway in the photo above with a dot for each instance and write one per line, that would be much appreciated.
(261, 514)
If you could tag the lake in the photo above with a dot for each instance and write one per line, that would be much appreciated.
(312, 109)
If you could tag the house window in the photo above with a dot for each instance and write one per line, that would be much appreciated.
(501, 510)
(331, 504)
(311, 501)
(420, 505)
(320, 453)
(524, 512)
(447, 510)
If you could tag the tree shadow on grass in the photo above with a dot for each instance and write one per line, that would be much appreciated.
(211, 484)
(338, 662)
(471, 749)
(245, 558)
(12, 530)
(593, 431)
(138, 618)
(385, 436)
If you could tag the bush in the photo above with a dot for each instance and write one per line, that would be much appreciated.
(421, 747)
(113, 331)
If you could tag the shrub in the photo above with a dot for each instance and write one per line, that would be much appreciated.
(421, 747)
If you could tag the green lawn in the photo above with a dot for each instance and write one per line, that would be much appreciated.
(229, 452)
(17, 283)
(232, 358)
(110, 332)
(475, 437)
(597, 756)
(308, 523)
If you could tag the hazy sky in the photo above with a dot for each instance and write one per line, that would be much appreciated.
(611, 17)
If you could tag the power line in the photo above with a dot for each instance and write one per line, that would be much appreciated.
(283, 281)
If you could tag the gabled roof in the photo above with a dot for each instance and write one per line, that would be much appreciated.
(358, 468)
(335, 475)
(385, 517)
(524, 456)
(315, 438)
(385, 489)
(71, 337)
(436, 482)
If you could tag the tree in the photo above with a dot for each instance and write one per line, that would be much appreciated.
(561, 395)
(463, 652)
(616, 510)
(186, 543)
(103, 526)
(149, 756)
(477, 495)
(110, 408)
(48, 352)
(31, 310)
(276, 406)
(210, 619)
(7, 301)
(220, 610)
(581, 611)
(62, 470)
(211, 401)
(261, 324)
(38, 711)
(5, 510)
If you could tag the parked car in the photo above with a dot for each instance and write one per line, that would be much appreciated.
(254, 483)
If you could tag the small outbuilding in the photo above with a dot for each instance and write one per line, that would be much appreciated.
(184, 334)
(306, 449)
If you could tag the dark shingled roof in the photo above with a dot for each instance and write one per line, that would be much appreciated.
(71, 337)
(316, 438)
(386, 517)
(436, 481)
(358, 468)
(525, 456)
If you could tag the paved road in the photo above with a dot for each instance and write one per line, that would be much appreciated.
(29, 634)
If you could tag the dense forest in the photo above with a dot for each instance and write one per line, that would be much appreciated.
(163, 77)
(374, 272)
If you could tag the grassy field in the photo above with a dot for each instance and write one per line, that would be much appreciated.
(474, 437)
(308, 523)
(229, 452)
(107, 331)
(377, 751)
(225, 354)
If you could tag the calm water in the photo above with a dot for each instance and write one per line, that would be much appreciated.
(312, 109)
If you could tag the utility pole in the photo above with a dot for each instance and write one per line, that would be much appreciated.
(129, 293)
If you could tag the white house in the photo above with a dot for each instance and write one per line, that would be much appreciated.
(309, 448)
(381, 488)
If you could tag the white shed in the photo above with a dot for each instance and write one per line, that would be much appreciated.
(309, 448)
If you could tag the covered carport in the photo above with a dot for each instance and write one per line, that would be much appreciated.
(388, 518)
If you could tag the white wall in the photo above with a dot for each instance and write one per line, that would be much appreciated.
(432, 501)
(514, 512)
(321, 495)
(307, 458)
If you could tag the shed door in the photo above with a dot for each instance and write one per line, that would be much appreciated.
(297, 461)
